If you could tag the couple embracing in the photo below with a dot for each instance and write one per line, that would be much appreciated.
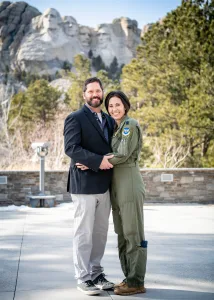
(104, 173)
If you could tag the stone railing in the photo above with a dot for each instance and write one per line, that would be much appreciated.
(162, 185)
(187, 185)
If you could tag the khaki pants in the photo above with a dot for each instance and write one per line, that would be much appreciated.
(91, 217)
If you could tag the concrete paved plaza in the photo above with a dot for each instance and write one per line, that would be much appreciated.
(36, 254)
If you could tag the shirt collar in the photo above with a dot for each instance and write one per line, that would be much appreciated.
(93, 112)
(123, 120)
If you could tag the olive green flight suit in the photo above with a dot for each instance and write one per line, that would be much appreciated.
(127, 195)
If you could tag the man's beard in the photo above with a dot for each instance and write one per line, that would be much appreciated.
(97, 104)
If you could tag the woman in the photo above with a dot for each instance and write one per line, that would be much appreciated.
(127, 195)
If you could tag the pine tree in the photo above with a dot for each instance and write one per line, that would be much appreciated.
(82, 72)
(113, 69)
(67, 66)
(37, 104)
(171, 86)
(98, 64)
(90, 54)
(108, 84)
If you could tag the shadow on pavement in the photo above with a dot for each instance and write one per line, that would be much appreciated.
(166, 294)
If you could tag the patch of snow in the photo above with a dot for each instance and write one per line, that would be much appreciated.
(62, 206)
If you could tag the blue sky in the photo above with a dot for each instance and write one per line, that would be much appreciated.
(94, 12)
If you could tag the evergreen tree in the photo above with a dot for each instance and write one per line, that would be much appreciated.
(98, 64)
(113, 69)
(58, 75)
(37, 104)
(17, 74)
(171, 86)
(82, 72)
(108, 84)
(90, 54)
(67, 66)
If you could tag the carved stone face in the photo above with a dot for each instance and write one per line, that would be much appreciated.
(51, 19)
(85, 36)
(70, 26)
(103, 36)
(129, 26)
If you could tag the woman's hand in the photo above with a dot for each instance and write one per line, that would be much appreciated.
(81, 167)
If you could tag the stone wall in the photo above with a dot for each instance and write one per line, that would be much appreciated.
(188, 185)
(22, 183)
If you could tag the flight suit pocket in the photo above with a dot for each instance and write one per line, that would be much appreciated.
(117, 221)
(129, 218)
(141, 257)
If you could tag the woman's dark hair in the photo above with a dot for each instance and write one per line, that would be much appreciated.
(122, 97)
(91, 80)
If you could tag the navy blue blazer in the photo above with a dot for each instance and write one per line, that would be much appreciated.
(85, 143)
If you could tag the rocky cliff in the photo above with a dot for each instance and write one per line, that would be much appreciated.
(15, 19)
(41, 43)
(36, 43)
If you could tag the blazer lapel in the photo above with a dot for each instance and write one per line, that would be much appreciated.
(110, 127)
(94, 122)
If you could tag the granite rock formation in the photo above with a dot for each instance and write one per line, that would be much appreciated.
(15, 19)
(118, 39)
(42, 43)
(51, 40)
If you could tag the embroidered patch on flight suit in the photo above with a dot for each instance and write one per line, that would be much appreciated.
(126, 131)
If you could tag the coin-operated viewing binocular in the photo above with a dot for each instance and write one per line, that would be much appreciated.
(41, 148)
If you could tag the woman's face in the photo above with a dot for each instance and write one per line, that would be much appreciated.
(116, 109)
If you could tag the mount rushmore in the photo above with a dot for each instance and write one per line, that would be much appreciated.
(41, 43)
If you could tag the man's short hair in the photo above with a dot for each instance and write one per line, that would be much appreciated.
(91, 80)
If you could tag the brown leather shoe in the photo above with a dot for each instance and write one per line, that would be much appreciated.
(125, 290)
(120, 284)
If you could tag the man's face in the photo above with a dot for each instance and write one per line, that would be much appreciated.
(70, 26)
(85, 36)
(103, 37)
(93, 94)
(51, 19)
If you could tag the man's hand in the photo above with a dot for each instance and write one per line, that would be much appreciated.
(82, 167)
(105, 164)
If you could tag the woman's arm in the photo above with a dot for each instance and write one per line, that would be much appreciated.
(127, 146)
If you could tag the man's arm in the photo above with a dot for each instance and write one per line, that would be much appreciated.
(105, 165)
(73, 148)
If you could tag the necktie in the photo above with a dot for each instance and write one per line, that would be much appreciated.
(102, 125)
(98, 120)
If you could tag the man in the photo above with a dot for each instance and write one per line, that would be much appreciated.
(87, 134)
